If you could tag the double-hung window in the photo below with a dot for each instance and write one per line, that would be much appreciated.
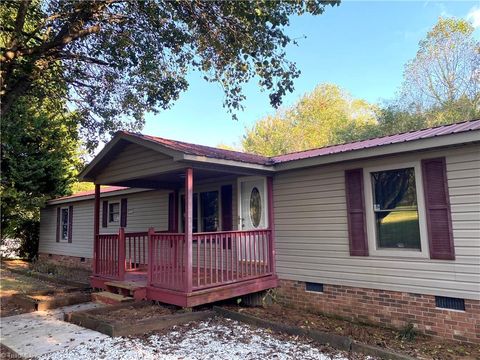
(64, 224)
(113, 212)
(395, 210)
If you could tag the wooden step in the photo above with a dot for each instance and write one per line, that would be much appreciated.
(109, 298)
(127, 285)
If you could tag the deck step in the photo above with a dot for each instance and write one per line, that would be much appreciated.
(109, 298)
(127, 285)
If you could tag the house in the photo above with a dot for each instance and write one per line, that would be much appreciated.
(385, 230)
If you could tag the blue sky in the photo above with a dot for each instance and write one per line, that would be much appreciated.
(361, 46)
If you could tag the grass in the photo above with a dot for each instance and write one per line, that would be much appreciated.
(399, 229)
(12, 283)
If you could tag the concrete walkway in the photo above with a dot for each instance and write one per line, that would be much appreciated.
(42, 332)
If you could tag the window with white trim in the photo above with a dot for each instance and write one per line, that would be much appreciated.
(113, 212)
(395, 210)
(64, 224)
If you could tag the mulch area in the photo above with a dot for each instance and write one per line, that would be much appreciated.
(134, 313)
(422, 347)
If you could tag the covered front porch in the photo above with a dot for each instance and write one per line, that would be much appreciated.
(220, 238)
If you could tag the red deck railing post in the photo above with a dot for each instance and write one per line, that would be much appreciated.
(121, 253)
(271, 225)
(189, 229)
(96, 228)
(150, 266)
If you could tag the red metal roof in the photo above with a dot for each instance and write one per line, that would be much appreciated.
(381, 141)
(103, 189)
(208, 151)
(201, 150)
(216, 153)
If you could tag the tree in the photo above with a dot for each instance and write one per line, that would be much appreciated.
(40, 160)
(121, 58)
(328, 115)
(442, 83)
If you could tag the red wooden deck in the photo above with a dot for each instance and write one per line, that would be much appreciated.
(187, 269)
(224, 264)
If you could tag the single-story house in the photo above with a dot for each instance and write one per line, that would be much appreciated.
(385, 230)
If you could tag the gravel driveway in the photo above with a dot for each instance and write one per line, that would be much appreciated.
(211, 339)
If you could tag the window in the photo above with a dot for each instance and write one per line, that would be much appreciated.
(209, 211)
(64, 224)
(113, 212)
(395, 210)
(205, 211)
(255, 207)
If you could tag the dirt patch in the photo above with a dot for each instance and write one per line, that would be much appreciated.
(14, 285)
(132, 313)
(422, 347)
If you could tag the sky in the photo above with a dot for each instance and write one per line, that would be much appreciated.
(360, 46)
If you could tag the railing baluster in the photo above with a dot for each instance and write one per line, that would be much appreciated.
(198, 260)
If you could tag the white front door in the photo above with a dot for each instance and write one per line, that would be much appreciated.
(253, 216)
(252, 203)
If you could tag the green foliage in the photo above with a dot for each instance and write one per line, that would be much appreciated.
(328, 115)
(441, 86)
(39, 161)
(442, 82)
(121, 59)
(82, 186)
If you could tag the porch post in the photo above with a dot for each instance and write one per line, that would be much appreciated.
(188, 227)
(96, 226)
(121, 253)
(271, 224)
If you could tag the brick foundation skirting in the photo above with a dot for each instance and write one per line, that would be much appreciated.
(70, 261)
(386, 308)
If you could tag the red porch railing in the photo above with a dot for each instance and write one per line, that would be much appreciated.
(110, 255)
(218, 258)
(136, 248)
(166, 262)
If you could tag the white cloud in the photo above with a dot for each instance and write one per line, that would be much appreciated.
(474, 16)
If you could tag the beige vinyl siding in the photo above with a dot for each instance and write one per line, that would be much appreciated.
(145, 209)
(312, 235)
(134, 162)
(82, 231)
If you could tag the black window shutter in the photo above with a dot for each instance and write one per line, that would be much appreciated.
(105, 213)
(70, 223)
(123, 212)
(57, 235)
(227, 209)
